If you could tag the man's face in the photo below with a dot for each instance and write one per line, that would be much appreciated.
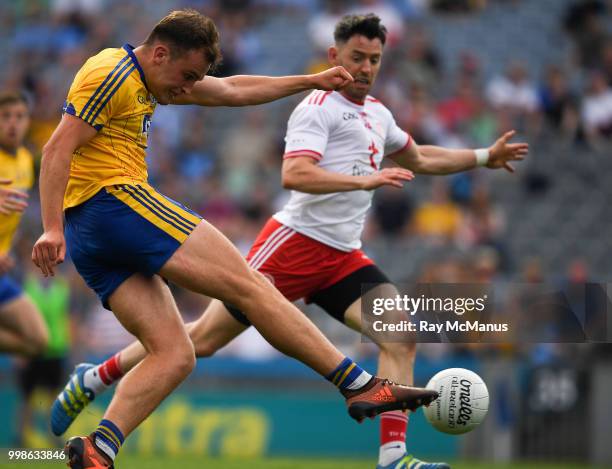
(14, 122)
(172, 76)
(361, 58)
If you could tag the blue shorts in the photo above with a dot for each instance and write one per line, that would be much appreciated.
(122, 230)
(9, 289)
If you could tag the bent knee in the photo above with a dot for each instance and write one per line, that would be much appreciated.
(401, 349)
(203, 344)
(183, 359)
(205, 350)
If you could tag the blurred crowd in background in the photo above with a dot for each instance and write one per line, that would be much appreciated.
(225, 164)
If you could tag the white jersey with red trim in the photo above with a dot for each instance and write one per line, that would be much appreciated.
(344, 137)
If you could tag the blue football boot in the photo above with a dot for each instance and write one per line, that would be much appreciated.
(407, 461)
(71, 401)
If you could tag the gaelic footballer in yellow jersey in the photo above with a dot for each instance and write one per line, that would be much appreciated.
(17, 167)
(109, 93)
(22, 329)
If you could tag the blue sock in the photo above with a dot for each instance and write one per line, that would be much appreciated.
(349, 376)
(108, 438)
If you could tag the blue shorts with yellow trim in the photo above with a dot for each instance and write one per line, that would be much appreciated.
(9, 289)
(122, 230)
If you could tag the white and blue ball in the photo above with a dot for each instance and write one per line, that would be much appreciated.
(463, 401)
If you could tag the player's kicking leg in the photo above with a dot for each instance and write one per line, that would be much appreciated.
(396, 362)
(213, 330)
(22, 328)
(209, 264)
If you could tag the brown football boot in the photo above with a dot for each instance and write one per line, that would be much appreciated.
(381, 395)
(83, 454)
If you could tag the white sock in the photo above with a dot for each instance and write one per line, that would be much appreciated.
(361, 380)
(92, 380)
(105, 448)
(390, 452)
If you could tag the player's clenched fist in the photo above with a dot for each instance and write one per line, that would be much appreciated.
(394, 177)
(11, 200)
(49, 250)
(334, 78)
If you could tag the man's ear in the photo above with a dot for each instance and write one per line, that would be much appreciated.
(332, 55)
(161, 53)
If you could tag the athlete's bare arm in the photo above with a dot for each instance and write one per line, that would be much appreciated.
(70, 134)
(428, 159)
(302, 174)
(246, 90)
(11, 200)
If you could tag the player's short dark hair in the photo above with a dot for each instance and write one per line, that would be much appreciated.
(364, 25)
(186, 30)
(13, 97)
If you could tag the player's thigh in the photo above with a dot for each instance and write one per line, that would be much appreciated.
(22, 316)
(145, 307)
(208, 263)
(214, 329)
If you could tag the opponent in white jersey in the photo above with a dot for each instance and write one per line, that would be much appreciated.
(343, 136)
(310, 249)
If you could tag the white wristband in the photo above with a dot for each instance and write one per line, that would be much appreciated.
(482, 156)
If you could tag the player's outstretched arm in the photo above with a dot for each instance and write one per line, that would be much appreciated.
(70, 134)
(11, 200)
(304, 175)
(430, 159)
(246, 90)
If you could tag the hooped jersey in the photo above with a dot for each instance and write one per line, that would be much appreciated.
(18, 168)
(344, 137)
(109, 93)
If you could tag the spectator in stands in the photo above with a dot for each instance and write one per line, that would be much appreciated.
(483, 223)
(583, 20)
(606, 62)
(457, 6)
(439, 219)
(514, 96)
(558, 103)
(418, 60)
(462, 106)
(393, 210)
(417, 113)
(597, 110)
(321, 26)
(243, 150)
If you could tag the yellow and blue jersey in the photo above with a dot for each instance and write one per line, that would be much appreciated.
(19, 168)
(116, 223)
(109, 93)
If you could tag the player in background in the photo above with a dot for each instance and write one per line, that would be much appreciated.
(22, 329)
(124, 237)
(335, 145)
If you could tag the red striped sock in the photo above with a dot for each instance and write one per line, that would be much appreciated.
(110, 371)
(393, 427)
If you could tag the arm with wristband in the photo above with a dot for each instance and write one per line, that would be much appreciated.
(429, 159)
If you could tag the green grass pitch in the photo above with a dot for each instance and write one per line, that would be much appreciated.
(164, 462)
